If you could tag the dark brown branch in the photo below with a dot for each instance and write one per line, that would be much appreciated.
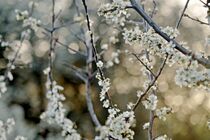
(64, 45)
(79, 72)
(197, 20)
(180, 18)
(143, 64)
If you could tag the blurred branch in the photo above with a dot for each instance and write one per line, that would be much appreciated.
(66, 24)
(90, 50)
(203, 61)
(196, 19)
(64, 45)
(79, 72)
(154, 8)
(182, 14)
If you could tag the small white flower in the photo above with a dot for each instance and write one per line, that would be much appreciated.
(139, 93)
(104, 46)
(20, 138)
(9, 76)
(146, 125)
(151, 102)
(162, 112)
(106, 103)
(99, 64)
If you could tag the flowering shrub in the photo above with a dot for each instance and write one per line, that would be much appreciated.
(144, 41)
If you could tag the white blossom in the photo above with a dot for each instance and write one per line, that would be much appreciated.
(55, 112)
(164, 137)
(6, 128)
(118, 127)
(208, 124)
(20, 138)
(162, 112)
(151, 102)
(99, 64)
(114, 12)
(146, 125)
(21, 15)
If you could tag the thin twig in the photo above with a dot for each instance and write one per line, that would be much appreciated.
(151, 83)
(143, 64)
(94, 48)
(65, 24)
(79, 72)
(64, 45)
(154, 8)
(196, 19)
(180, 18)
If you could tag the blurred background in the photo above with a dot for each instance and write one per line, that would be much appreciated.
(25, 99)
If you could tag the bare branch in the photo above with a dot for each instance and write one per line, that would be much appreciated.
(79, 72)
(64, 45)
(143, 64)
(180, 18)
(197, 20)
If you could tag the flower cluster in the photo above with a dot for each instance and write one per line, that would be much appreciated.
(3, 43)
(21, 15)
(118, 126)
(28, 21)
(114, 12)
(188, 74)
(162, 112)
(20, 138)
(151, 102)
(55, 112)
(193, 77)
(3, 87)
(105, 86)
(31, 22)
(151, 41)
(7, 76)
(164, 137)
(114, 59)
(146, 125)
(6, 128)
